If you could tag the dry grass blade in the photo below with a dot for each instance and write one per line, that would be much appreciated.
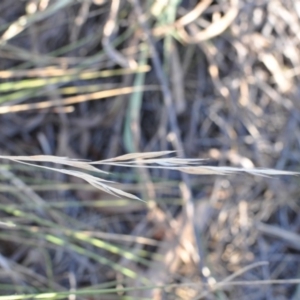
(137, 156)
(109, 190)
(92, 180)
(214, 29)
(291, 238)
(230, 278)
(55, 159)
(228, 170)
(108, 31)
(73, 100)
(203, 171)
(136, 160)
(169, 162)
(194, 14)
(24, 21)
(53, 72)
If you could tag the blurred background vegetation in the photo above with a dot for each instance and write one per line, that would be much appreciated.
(94, 79)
